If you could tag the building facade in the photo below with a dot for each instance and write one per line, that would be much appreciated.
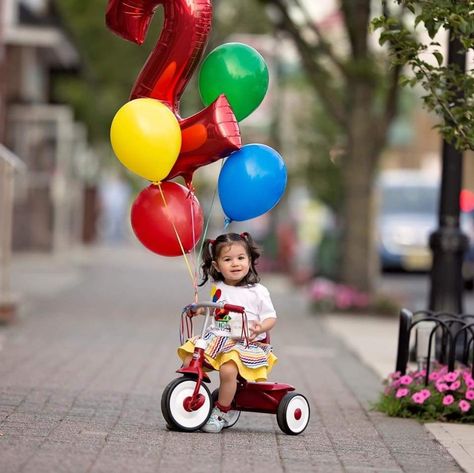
(48, 207)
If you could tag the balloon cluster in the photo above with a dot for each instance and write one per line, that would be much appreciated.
(150, 138)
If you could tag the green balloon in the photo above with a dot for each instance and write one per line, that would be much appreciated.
(239, 72)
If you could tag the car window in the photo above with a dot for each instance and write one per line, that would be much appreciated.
(409, 199)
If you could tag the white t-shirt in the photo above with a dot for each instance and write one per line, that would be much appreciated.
(255, 298)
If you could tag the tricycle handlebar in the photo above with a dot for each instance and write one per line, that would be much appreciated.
(217, 305)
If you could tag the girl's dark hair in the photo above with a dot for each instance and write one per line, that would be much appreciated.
(212, 249)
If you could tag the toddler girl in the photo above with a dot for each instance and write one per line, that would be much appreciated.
(229, 261)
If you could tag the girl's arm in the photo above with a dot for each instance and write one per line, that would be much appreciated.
(259, 328)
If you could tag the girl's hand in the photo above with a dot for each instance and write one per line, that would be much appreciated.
(255, 330)
(190, 312)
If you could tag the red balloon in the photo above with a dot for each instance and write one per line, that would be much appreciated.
(154, 212)
(208, 135)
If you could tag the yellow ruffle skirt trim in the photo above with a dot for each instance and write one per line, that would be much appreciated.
(250, 374)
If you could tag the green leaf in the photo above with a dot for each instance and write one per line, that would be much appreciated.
(439, 57)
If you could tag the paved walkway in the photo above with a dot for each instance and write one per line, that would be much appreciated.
(81, 375)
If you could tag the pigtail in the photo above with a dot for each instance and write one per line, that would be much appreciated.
(254, 254)
(206, 265)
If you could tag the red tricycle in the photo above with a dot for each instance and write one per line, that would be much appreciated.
(186, 402)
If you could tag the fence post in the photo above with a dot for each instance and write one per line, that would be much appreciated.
(403, 340)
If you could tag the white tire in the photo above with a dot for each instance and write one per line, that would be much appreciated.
(293, 413)
(173, 408)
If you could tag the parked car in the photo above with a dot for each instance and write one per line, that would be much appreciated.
(408, 214)
(467, 224)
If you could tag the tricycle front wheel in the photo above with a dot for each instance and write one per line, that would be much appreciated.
(176, 409)
(293, 413)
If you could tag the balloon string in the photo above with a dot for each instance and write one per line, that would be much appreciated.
(209, 217)
(195, 279)
(207, 225)
(176, 232)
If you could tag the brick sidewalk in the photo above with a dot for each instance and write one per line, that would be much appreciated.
(81, 376)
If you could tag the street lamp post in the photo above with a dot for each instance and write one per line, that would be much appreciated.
(448, 243)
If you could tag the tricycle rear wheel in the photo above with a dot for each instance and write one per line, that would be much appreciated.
(293, 413)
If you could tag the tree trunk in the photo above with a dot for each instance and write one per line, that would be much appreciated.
(359, 265)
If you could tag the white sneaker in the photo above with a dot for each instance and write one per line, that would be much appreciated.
(216, 422)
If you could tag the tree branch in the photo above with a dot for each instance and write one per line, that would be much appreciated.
(325, 46)
(390, 109)
(317, 74)
(390, 106)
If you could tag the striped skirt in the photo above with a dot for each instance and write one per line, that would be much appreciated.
(254, 361)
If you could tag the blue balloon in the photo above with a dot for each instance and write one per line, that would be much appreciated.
(251, 182)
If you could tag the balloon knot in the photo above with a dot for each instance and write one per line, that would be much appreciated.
(227, 222)
(188, 180)
(191, 192)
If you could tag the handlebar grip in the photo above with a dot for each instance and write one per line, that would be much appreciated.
(190, 310)
(234, 308)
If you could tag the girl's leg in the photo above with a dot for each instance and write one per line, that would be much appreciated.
(187, 360)
(228, 383)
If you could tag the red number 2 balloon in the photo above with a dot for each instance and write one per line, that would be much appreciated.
(211, 134)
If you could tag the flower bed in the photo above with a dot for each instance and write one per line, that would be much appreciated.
(328, 296)
(448, 396)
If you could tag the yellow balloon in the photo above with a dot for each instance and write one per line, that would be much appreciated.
(146, 138)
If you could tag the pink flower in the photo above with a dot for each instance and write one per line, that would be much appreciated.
(394, 375)
(443, 369)
(441, 387)
(433, 376)
(470, 383)
(464, 405)
(343, 297)
(448, 400)
(425, 393)
(470, 394)
(406, 379)
(455, 385)
(420, 374)
(322, 289)
(396, 383)
(402, 392)
(450, 377)
(418, 398)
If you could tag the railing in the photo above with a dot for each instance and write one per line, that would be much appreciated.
(9, 164)
(453, 335)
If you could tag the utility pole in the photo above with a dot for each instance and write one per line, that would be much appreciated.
(448, 243)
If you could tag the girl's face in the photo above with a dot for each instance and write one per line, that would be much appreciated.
(233, 263)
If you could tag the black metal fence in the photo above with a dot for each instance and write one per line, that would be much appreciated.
(453, 335)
